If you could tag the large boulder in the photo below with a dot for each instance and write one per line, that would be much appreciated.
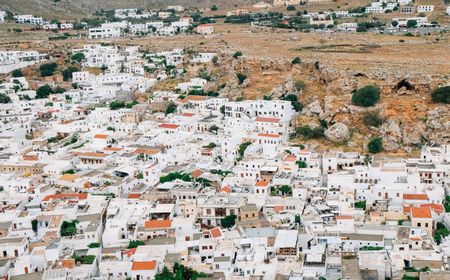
(338, 132)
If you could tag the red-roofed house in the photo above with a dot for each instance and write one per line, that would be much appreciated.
(143, 270)
(155, 228)
(422, 217)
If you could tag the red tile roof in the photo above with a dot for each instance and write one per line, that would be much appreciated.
(268, 135)
(344, 217)
(415, 196)
(278, 208)
(438, 208)
(134, 195)
(188, 114)
(158, 224)
(169, 125)
(130, 252)
(421, 212)
(216, 232)
(148, 265)
(225, 189)
(269, 120)
(80, 196)
(262, 184)
(101, 136)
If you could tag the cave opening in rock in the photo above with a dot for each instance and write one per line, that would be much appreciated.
(406, 84)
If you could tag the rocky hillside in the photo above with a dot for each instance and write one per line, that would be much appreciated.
(68, 9)
(407, 116)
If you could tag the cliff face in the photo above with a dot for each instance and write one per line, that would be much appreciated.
(410, 117)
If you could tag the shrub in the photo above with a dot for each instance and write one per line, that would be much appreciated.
(441, 95)
(290, 8)
(237, 54)
(296, 60)
(69, 228)
(373, 118)
(135, 243)
(43, 91)
(411, 23)
(241, 77)
(299, 85)
(67, 73)
(94, 245)
(4, 98)
(17, 73)
(48, 69)
(366, 96)
(310, 133)
(294, 101)
(375, 145)
(77, 57)
(229, 221)
(171, 108)
(214, 8)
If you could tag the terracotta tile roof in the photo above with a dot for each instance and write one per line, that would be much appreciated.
(158, 224)
(278, 208)
(268, 135)
(421, 212)
(196, 173)
(216, 232)
(147, 151)
(438, 208)
(290, 158)
(262, 184)
(80, 196)
(225, 189)
(90, 154)
(269, 120)
(194, 98)
(148, 265)
(113, 149)
(70, 263)
(134, 195)
(344, 217)
(101, 136)
(130, 252)
(169, 125)
(188, 114)
(68, 177)
(406, 209)
(415, 196)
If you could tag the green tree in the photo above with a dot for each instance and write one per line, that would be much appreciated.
(43, 91)
(135, 243)
(285, 189)
(214, 8)
(69, 228)
(222, 109)
(441, 95)
(229, 221)
(94, 245)
(34, 225)
(77, 57)
(241, 77)
(290, 8)
(242, 148)
(411, 23)
(48, 69)
(294, 101)
(360, 204)
(394, 23)
(171, 108)
(296, 60)
(17, 73)
(375, 145)
(372, 118)
(4, 98)
(237, 54)
(301, 164)
(366, 96)
(67, 73)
